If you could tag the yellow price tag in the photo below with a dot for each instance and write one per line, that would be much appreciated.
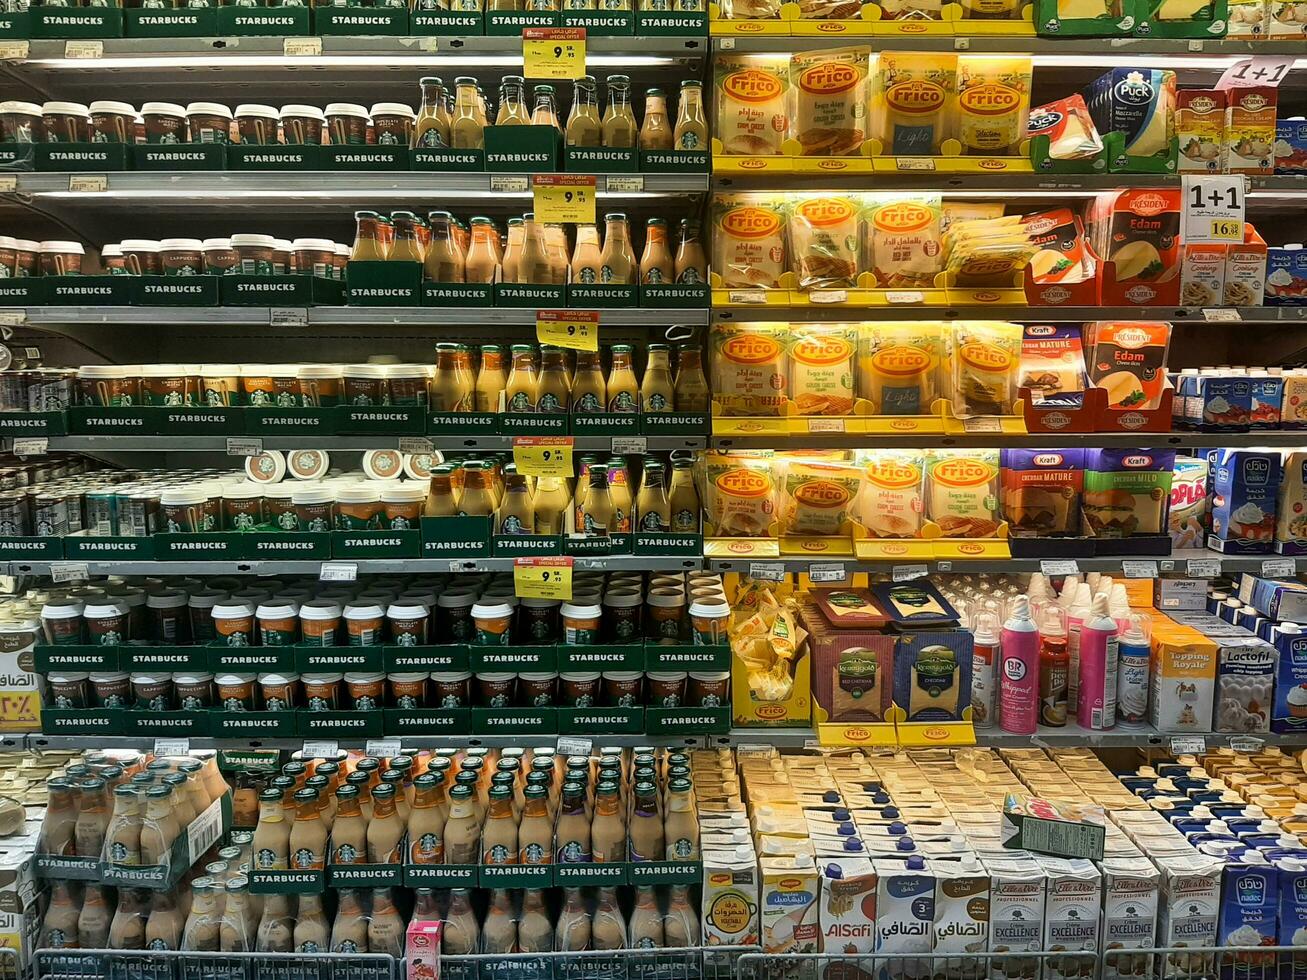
(564, 198)
(1229, 229)
(543, 455)
(577, 329)
(553, 52)
(542, 578)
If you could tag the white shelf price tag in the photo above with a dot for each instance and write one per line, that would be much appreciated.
(1213, 208)
(321, 750)
(569, 745)
(301, 47)
(767, 571)
(825, 296)
(1220, 315)
(74, 50)
(1139, 569)
(1059, 566)
(8, 184)
(1188, 744)
(630, 445)
(1203, 567)
(509, 184)
(1246, 743)
(415, 445)
(88, 184)
(165, 747)
(616, 184)
(244, 447)
(291, 316)
(1273, 567)
(909, 573)
(825, 425)
(827, 572)
(15, 50)
(69, 571)
(31, 446)
(749, 297)
(383, 748)
(338, 571)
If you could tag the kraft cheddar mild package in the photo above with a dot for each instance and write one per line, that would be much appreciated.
(1139, 103)
(1126, 492)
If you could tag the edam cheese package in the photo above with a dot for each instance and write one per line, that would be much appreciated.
(1139, 231)
(1128, 361)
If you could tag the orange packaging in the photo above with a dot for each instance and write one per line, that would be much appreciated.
(1202, 274)
(1245, 270)
(1249, 146)
(1128, 361)
(1138, 230)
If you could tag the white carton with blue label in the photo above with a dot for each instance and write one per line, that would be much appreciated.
(1291, 145)
(1245, 484)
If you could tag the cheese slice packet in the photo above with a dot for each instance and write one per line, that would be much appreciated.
(1069, 128)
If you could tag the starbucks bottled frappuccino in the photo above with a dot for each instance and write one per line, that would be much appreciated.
(431, 130)
(653, 510)
(235, 934)
(572, 933)
(349, 831)
(369, 239)
(451, 383)
(492, 379)
(680, 824)
(535, 934)
(657, 391)
(691, 262)
(499, 842)
(656, 264)
(545, 108)
(58, 829)
(619, 126)
(461, 934)
(92, 818)
(597, 516)
(512, 250)
(385, 830)
(608, 926)
(683, 500)
(385, 927)
(127, 930)
(499, 933)
(444, 260)
(522, 390)
(617, 259)
(311, 932)
(478, 497)
(515, 514)
(308, 834)
(426, 821)
(572, 835)
(93, 920)
(159, 826)
(656, 130)
(204, 923)
(349, 929)
(555, 385)
(549, 504)
(646, 829)
(691, 131)
(681, 924)
(59, 925)
(690, 390)
(122, 838)
(535, 265)
(623, 390)
(587, 259)
(513, 109)
(535, 835)
(647, 921)
(463, 828)
(272, 833)
(482, 261)
(276, 932)
(608, 828)
(467, 124)
(584, 126)
(619, 489)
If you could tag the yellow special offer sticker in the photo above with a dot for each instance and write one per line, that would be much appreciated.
(542, 578)
(564, 198)
(543, 455)
(577, 329)
(553, 52)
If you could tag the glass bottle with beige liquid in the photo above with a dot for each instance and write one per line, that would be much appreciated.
(616, 260)
(522, 389)
(512, 250)
(463, 828)
(477, 498)
(431, 130)
(608, 926)
(656, 129)
(619, 126)
(499, 933)
(535, 835)
(349, 929)
(492, 379)
(647, 921)
(204, 923)
(555, 386)
(608, 827)
(656, 265)
(622, 387)
(276, 932)
(312, 934)
(683, 498)
(451, 385)
(545, 108)
(308, 834)
(619, 491)
(440, 493)
(597, 516)
(584, 125)
(680, 825)
(691, 126)
(651, 504)
(272, 834)
(385, 927)
(59, 925)
(549, 504)
(648, 842)
(556, 249)
(58, 830)
(385, 829)
(534, 265)
(461, 934)
(587, 258)
(573, 929)
(657, 391)
(691, 262)
(681, 924)
(426, 822)
(499, 841)
(589, 392)
(93, 919)
(92, 819)
(406, 246)
(535, 934)
(690, 392)
(349, 830)
(369, 244)
(122, 838)
(234, 934)
(444, 261)
(513, 109)
(516, 513)
(159, 827)
(482, 261)
(468, 123)
(127, 930)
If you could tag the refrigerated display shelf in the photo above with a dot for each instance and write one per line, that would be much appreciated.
(37, 741)
(1143, 737)
(998, 440)
(1178, 562)
(363, 566)
(328, 316)
(1089, 51)
(1263, 191)
(1218, 317)
(358, 443)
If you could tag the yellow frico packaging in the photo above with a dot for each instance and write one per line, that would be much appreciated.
(993, 103)
(914, 97)
(829, 89)
(986, 358)
(891, 504)
(750, 367)
(738, 492)
(824, 241)
(821, 367)
(818, 496)
(899, 366)
(903, 242)
(748, 246)
(962, 492)
(751, 104)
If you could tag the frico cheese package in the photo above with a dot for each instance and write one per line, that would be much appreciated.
(824, 241)
(891, 505)
(821, 368)
(748, 246)
(829, 89)
(899, 366)
(749, 367)
(993, 102)
(738, 493)
(962, 492)
(903, 242)
(751, 117)
(818, 496)
(986, 360)
(914, 98)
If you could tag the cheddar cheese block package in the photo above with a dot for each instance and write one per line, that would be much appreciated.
(914, 99)
(752, 104)
(891, 504)
(821, 358)
(1138, 103)
(1052, 359)
(829, 91)
(748, 242)
(985, 358)
(1128, 361)
(825, 242)
(739, 493)
(1126, 492)
(993, 103)
(818, 496)
(962, 492)
(750, 367)
(1041, 491)
(1069, 127)
(903, 241)
(899, 366)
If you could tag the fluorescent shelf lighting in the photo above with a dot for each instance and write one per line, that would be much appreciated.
(289, 195)
(338, 61)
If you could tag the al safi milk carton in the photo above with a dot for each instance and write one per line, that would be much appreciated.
(847, 912)
(905, 913)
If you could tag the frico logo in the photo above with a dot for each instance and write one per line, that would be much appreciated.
(902, 217)
(744, 483)
(915, 97)
(817, 545)
(993, 164)
(857, 734)
(990, 99)
(832, 164)
(824, 494)
(1048, 459)
(751, 223)
(893, 549)
(1137, 461)
(740, 547)
(825, 212)
(903, 425)
(752, 85)
(985, 357)
(961, 473)
(830, 27)
(893, 476)
(821, 351)
(970, 548)
(830, 78)
(900, 361)
(770, 711)
(754, 349)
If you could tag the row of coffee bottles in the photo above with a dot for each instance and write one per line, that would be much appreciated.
(600, 498)
(533, 252)
(556, 381)
(218, 914)
(509, 808)
(458, 121)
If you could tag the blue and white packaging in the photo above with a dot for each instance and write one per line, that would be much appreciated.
(1245, 679)
(1286, 275)
(1291, 145)
(1234, 402)
(1290, 711)
(1250, 908)
(1245, 484)
(1293, 903)
(1279, 601)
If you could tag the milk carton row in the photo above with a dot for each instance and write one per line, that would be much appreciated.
(899, 857)
(1275, 611)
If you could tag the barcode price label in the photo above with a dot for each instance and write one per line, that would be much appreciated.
(302, 47)
(902, 164)
(1246, 743)
(338, 571)
(825, 425)
(564, 198)
(542, 578)
(1059, 566)
(31, 446)
(827, 572)
(1203, 567)
(166, 747)
(69, 571)
(14, 50)
(904, 297)
(88, 184)
(76, 50)
(1188, 745)
(1275, 567)
(1222, 316)
(982, 424)
(746, 297)
(630, 445)
(203, 832)
(321, 749)
(615, 184)
(570, 745)
(244, 447)
(8, 184)
(577, 329)
(288, 317)
(383, 748)
(828, 296)
(509, 184)
(415, 445)
(909, 573)
(1139, 569)
(767, 571)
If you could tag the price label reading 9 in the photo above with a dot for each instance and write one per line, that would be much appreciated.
(553, 52)
(577, 329)
(564, 198)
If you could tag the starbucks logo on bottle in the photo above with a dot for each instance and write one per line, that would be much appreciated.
(156, 944)
(572, 853)
(277, 704)
(513, 525)
(429, 845)
(624, 402)
(287, 521)
(683, 848)
(347, 946)
(588, 404)
(346, 854)
(533, 853)
(238, 640)
(309, 947)
(303, 858)
(451, 701)
(57, 939)
(497, 855)
(652, 522)
(258, 399)
(118, 852)
(645, 943)
(318, 704)
(265, 858)
(244, 522)
(711, 701)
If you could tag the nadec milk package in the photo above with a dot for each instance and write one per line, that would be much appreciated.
(1244, 487)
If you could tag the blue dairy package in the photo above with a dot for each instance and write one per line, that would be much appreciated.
(932, 675)
(1293, 901)
(1233, 403)
(1289, 711)
(1286, 275)
(1291, 146)
(1138, 103)
(1250, 907)
(1245, 484)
